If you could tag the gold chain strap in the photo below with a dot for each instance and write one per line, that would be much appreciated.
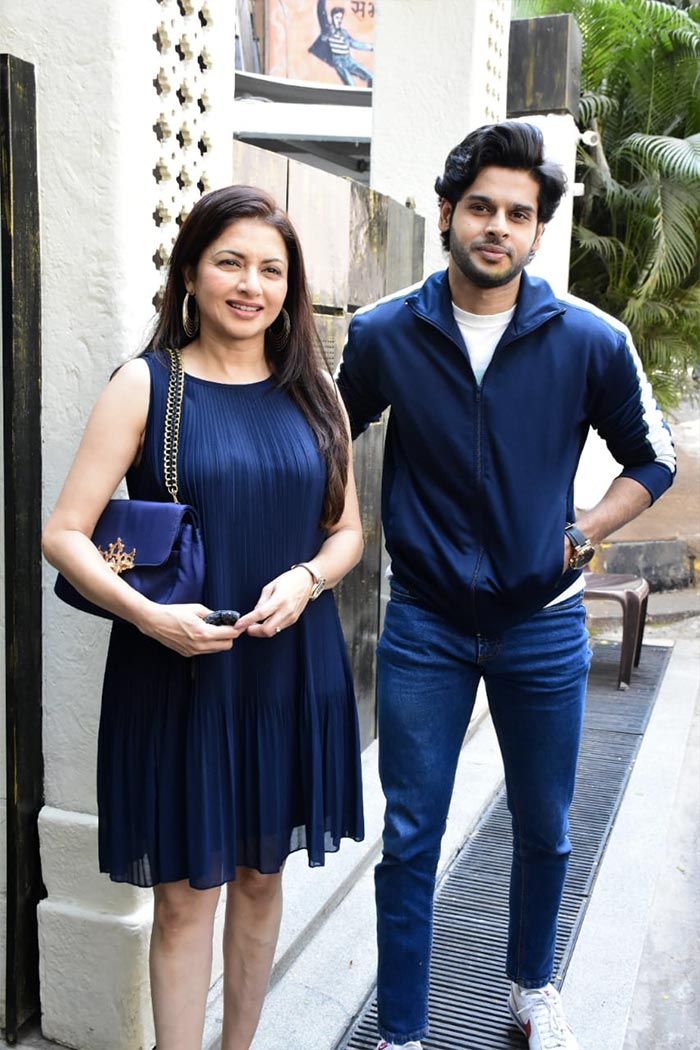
(173, 411)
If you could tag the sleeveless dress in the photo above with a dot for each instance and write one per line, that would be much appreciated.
(242, 757)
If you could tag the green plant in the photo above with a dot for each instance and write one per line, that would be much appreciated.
(636, 236)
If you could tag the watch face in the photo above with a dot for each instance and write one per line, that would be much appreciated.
(583, 550)
(318, 588)
(582, 556)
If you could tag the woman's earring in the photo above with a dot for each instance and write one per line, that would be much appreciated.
(278, 332)
(190, 323)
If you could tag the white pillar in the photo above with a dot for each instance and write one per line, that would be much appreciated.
(597, 467)
(440, 71)
(134, 120)
(560, 141)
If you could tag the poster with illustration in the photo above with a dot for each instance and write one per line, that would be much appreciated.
(323, 40)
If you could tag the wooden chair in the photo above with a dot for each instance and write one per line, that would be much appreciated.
(632, 593)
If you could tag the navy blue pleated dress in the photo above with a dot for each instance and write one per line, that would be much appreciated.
(242, 757)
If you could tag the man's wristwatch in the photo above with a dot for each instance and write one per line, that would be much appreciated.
(319, 581)
(583, 548)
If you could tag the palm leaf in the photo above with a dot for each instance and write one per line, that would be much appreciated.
(635, 243)
(594, 105)
(648, 313)
(674, 249)
(663, 348)
(610, 249)
(670, 157)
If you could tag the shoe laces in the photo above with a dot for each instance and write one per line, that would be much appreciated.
(399, 1046)
(545, 1009)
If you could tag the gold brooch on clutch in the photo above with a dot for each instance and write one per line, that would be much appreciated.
(118, 559)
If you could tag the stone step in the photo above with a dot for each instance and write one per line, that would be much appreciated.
(665, 564)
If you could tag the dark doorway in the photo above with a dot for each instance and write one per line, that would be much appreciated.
(21, 377)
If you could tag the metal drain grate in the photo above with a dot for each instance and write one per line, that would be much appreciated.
(468, 989)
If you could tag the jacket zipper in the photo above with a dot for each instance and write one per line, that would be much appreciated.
(504, 341)
(479, 503)
(479, 461)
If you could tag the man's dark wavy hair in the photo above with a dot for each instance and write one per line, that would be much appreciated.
(511, 144)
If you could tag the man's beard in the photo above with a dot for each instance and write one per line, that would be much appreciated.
(480, 277)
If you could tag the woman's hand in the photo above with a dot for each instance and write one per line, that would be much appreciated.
(281, 603)
(182, 628)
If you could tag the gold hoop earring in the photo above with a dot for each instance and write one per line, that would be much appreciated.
(190, 323)
(279, 331)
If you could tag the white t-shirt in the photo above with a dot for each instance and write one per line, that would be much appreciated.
(481, 334)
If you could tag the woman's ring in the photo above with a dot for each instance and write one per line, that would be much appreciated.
(277, 630)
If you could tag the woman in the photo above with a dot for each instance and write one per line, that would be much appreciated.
(212, 770)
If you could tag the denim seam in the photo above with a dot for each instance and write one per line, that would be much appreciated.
(516, 977)
(523, 879)
(394, 1037)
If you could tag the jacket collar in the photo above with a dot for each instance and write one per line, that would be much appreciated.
(536, 304)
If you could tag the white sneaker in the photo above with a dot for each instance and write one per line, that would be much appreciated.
(413, 1045)
(538, 1013)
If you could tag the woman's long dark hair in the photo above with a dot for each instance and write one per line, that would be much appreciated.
(300, 367)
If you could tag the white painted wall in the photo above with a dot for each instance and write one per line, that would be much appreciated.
(440, 71)
(96, 62)
(560, 140)
(597, 467)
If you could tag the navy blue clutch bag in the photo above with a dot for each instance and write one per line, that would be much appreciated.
(157, 547)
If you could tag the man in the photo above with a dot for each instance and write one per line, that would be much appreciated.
(493, 383)
(334, 43)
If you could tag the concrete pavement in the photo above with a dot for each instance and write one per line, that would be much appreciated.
(633, 980)
(665, 1007)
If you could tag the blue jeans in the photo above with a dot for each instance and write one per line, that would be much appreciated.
(428, 673)
(346, 67)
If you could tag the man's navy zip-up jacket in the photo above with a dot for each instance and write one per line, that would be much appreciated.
(478, 480)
